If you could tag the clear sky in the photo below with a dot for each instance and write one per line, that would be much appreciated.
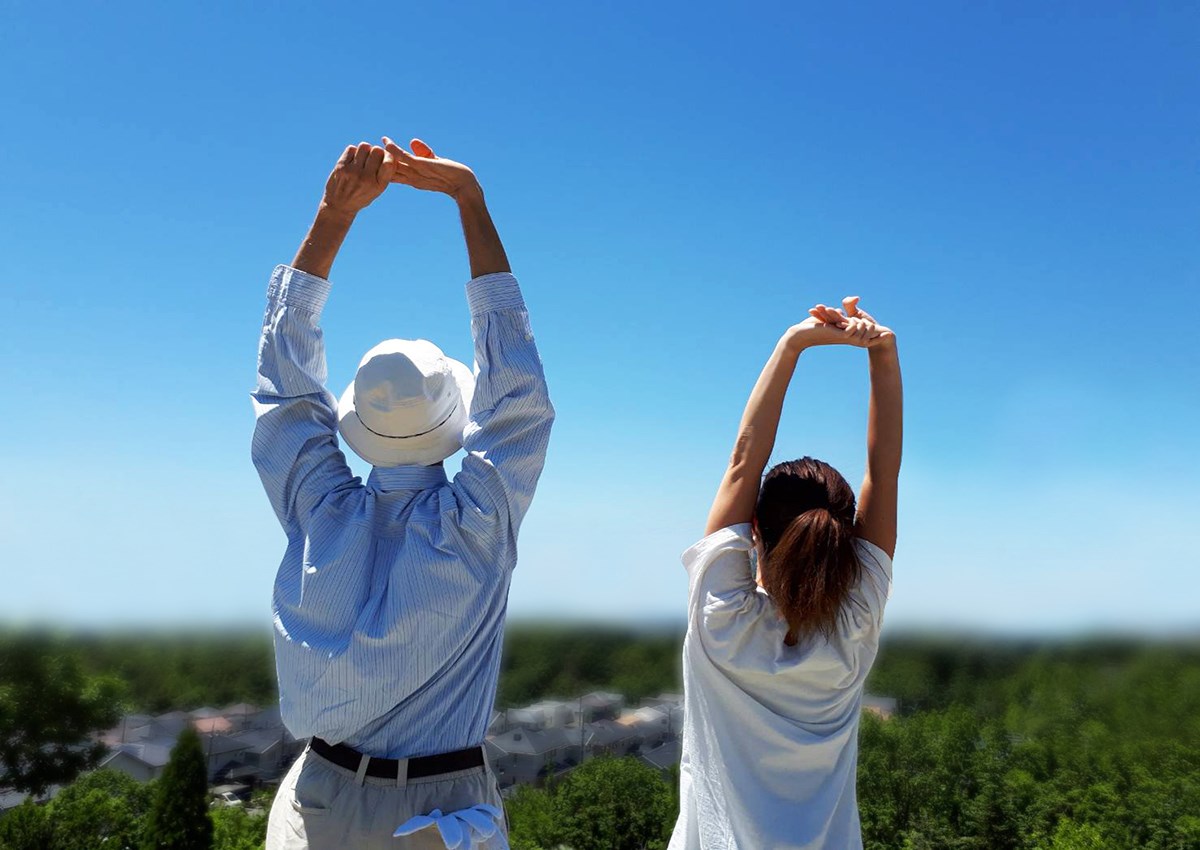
(1013, 187)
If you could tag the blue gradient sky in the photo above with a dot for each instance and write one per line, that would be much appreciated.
(1012, 186)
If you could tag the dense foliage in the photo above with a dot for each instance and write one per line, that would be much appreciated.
(1070, 747)
(164, 672)
(604, 804)
(235, 828)
(48, 707)
(563, 661)
(1001, 745)
(102, 809)
(106, 809)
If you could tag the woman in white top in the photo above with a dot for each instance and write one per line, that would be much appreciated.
(786, 597)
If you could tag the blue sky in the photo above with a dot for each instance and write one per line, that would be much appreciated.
(1013, 187)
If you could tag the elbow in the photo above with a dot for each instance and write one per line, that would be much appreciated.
(260, 454)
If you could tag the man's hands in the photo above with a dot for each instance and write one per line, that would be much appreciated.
(422, 169)
(365, 170)
(848, 326)
(359, 177)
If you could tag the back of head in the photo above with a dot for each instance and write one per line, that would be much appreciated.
(805, 520)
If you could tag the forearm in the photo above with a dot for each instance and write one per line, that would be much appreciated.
(324, 240)
(738, 492)
(484, 249)
(885, 416)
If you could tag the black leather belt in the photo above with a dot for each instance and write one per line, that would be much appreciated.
(418, 767)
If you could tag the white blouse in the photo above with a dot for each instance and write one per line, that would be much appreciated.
(770, 737)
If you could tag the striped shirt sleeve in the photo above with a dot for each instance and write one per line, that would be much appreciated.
(511, 414)
(295, 448)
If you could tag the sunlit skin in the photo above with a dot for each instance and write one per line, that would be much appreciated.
(361, 175)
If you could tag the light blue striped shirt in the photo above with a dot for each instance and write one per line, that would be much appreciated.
(390, 601)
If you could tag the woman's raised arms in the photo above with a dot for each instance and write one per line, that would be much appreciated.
(738, 492)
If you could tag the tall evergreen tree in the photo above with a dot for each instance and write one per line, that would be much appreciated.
(179, 817)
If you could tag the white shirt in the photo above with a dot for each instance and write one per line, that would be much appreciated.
(770, 737)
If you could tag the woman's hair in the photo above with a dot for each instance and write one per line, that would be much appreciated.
(805, 518)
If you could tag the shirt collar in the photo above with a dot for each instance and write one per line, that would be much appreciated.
(406, 477)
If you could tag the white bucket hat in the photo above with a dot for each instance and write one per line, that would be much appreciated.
(408, 405)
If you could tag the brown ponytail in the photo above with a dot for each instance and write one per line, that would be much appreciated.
(805, 519)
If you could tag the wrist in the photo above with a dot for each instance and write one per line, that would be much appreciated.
(793, 343)
(883, 349)
(333, 213)
(796, 339)
(469, 195)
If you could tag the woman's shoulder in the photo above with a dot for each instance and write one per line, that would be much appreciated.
(873, 558)
(732, 538)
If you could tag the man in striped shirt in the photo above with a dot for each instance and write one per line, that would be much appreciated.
(389, 604)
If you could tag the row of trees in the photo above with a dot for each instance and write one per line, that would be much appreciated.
(998, 746)
(163, 672)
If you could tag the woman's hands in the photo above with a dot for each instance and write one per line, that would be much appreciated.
(848, 326)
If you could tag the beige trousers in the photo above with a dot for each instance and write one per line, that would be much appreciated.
(321, 806)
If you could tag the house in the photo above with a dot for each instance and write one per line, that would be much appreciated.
(525, 756)
(652, 726)
(10, 799)
(664, 758)
(143, 760)
(239, 714)
(610, 738)
(881, 707)
(169, 724)
(133, 727)
(267, 718)
(212, 725)
(541, 715)
(268, 752)
(600, 705)
(221, 751)
(673, 702)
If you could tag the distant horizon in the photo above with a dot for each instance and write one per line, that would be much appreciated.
(650, 627)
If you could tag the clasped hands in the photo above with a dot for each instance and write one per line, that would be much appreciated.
(850, 325)
(365, 170)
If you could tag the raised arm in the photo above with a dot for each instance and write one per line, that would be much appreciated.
(738, 491)
(877, 500)
(511, 414)
(295, 435)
